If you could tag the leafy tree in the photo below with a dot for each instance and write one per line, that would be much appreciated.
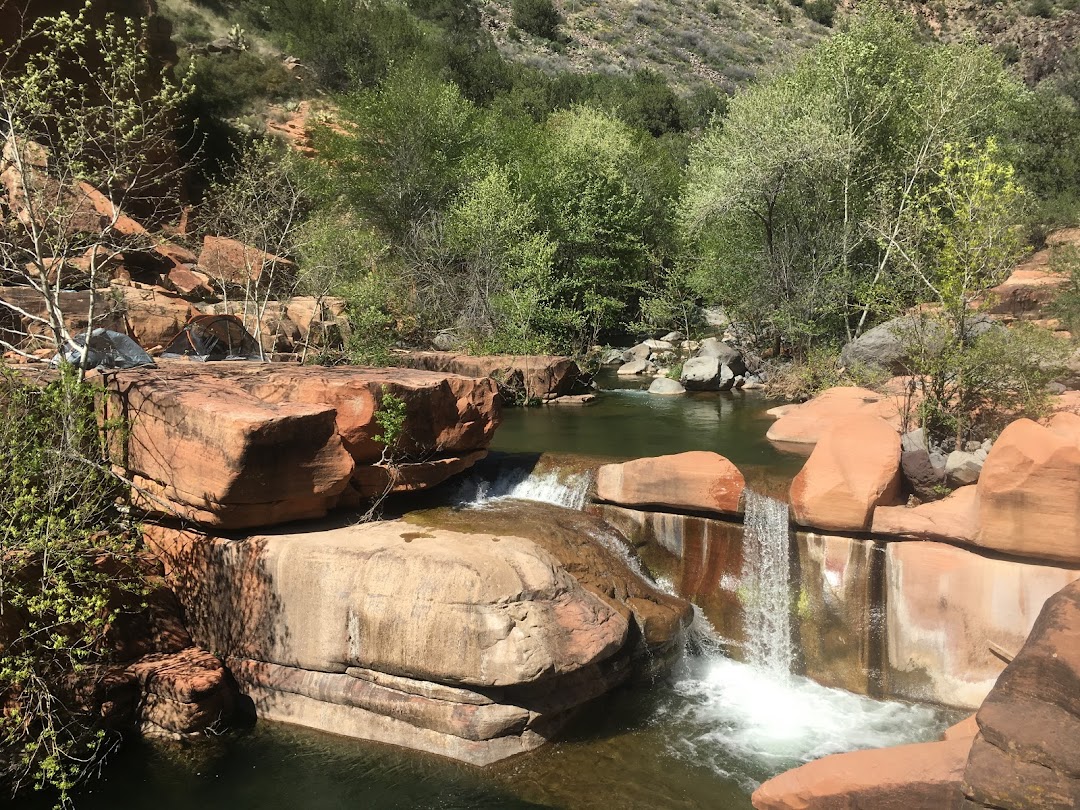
(603, 193)
(404, 157)
(499, 299)
(800, 195)
(963, 239)
(68, 572)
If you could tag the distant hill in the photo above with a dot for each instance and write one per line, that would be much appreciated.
(729, 42)
(688, 41)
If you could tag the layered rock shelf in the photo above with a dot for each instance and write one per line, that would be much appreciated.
(535, 377)
(474, 646)
(237, 445)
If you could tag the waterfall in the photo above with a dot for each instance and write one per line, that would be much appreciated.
(764, 590)
(569, 490)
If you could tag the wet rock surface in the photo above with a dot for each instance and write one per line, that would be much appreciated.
(688, 482)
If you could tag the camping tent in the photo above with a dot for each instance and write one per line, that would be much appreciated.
(105, 349)
(214, 337)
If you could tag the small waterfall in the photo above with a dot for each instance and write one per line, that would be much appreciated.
(568, 490)
(764, 590)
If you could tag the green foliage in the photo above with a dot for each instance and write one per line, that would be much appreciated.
(390, 417)
(807, 376)
(1066, 306)
(821, 11)
(404, 160)
(67, 571)
(539, 17)
(795, 204)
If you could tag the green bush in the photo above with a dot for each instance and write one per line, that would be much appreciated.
(821, 11)
(68, 570)
(539, 17)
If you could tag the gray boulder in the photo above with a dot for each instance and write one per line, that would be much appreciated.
(752, 382)
(444, 342)
(701, 373)
(634, 368)
(673, 337)
(611, 357)
(914, 440)
(727, 378)
(885, 344)
(666, 387)
(962, 468)
(639, 352)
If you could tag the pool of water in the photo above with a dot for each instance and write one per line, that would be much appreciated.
(703, 737)
(626, 421)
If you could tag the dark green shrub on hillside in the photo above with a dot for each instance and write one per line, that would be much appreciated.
(539, 17)
(821, 11)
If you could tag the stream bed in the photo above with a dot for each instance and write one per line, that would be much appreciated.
(703, 737)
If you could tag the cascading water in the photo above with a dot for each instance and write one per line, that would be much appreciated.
(568, 490)
(765, 591)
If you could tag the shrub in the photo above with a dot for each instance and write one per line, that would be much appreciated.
(68, 570)
(539, 17)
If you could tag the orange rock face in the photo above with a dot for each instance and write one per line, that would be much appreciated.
(233, 263)
(239, 445)
(1029, 491)
(954, 519)
(809, 422)
(1027, 753)
(945, 606)
(686, 482)
(854, 469)
(908, 777)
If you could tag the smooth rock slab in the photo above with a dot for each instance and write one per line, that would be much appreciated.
(854, 469)
(946, 606)
(925, 776)
(808, 422)
(428, 604)
(697, 481)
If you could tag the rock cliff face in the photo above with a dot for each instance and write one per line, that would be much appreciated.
(240, 445)
(535, 377)
(1027, 752)
(473, 645)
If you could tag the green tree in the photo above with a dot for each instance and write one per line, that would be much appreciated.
(799, 195)
(404, 157)
(539, 17)
(603, 192)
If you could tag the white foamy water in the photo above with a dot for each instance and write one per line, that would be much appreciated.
(748, 724)
(562, 489)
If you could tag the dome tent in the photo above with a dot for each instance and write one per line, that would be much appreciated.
(214, 337)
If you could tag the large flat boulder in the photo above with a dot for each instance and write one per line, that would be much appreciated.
(1029, 491)
(806, 423)
(698, 481)
(534, 376)
(924, 776)
(1027, 753)
(948, 608)
(240, 445)
(475, 645)
(854, 469)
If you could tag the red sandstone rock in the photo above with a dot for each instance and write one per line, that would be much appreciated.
(537, 376)
(190, 284)
(686, 482)
(152, 317)
(854, 469)
(952, 520)
(810, 421)
(1029, 491)
(946, 606)
(908, 777)
(966, 729)
(218, 455)
(111, 218)
(1027, 754)
(233, 263)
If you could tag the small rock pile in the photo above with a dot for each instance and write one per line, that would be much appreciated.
(710, 365)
